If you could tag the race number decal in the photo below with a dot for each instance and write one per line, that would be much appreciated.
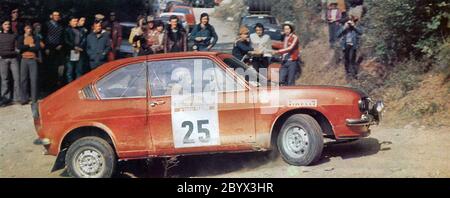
(195, 121)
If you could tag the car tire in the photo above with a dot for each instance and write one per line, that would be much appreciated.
(300, 140)
(91, 157)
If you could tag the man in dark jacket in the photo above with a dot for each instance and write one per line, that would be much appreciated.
(350, 34)
(16, 23)
(53, 33)
(73, 45)
(98, 46)
(204, 35)
(8, 62)
(175, 38)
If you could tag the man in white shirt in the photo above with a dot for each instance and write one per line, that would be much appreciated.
(262, 45)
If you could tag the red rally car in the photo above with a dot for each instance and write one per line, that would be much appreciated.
(132, 109)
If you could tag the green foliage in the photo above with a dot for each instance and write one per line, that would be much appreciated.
(400, 28)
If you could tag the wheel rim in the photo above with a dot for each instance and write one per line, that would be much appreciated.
(296, 142)
(89, 163)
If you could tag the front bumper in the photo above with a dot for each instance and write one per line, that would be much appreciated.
(372, 117)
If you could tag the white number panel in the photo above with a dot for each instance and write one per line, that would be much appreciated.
(195, 120)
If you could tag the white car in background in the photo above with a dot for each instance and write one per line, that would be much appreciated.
(165, 17)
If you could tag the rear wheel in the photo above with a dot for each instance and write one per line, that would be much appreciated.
(91, 157)
(300, 140)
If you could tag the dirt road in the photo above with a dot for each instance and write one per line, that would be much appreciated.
(388, 152)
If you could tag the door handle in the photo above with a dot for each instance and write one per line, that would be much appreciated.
(156, 103)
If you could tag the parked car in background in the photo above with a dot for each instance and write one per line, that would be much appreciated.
(203, 3)
(271, 27)
(126, 49)
(165, 17)
(188, 11)
(170, 4)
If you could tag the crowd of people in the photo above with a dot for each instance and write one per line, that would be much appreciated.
(60, 53)
(41, 57)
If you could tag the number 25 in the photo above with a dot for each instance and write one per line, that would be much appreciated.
(190, 126)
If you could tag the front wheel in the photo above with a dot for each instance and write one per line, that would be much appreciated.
(300, 140)
(91, 157)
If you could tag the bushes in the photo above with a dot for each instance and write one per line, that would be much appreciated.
(400, 28)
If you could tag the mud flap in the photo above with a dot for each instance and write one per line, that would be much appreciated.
(60, 161)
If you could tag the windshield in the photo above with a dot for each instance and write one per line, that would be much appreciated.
(246, 72)
(181, 10)
(250, 21)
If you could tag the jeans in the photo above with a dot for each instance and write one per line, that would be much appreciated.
(74, 70)
(53, 61)
(7, 65)
(29, 79)
(288, 72)
(350, 61)
(260, 62)
(333, 28)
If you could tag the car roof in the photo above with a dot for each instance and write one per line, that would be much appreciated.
(128, 24)
(182, 6)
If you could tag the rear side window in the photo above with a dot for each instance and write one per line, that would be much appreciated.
(126, 82)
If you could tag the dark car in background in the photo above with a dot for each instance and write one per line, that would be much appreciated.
(126, 49)
(271, 27)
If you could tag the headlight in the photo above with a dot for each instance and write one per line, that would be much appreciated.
(364, 105)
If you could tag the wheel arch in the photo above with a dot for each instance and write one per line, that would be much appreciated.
(87, 130)
(325, 124)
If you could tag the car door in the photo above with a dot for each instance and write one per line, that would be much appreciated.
(123, 108)
(189, 112)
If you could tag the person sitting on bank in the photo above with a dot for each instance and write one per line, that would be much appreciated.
(203, 35)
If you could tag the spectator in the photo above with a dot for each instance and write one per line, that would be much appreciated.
(158, 36)
(203, 35)
(98, 46)
(53, 51)
(290, 55)
(146, 39)
(350, 34)
(262, 44)
(8, 63)
(16, 23)
(334, 17)
(116, 33)
(175, 38)
(29, 46)
(84, 33)
(242, 46)
(37, 31)
(138, 30)
(73, 44)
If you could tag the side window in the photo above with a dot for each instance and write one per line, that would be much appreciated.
(126, 82)
(184, 76)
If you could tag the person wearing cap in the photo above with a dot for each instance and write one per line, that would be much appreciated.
(175, 37)
(203, 35)
(242, 45)
(290, 55)
(146, 37)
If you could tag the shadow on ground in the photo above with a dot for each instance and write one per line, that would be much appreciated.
(218, 164)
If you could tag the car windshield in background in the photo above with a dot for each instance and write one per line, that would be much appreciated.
(126, 31)
(251, 21)
(181, 10)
